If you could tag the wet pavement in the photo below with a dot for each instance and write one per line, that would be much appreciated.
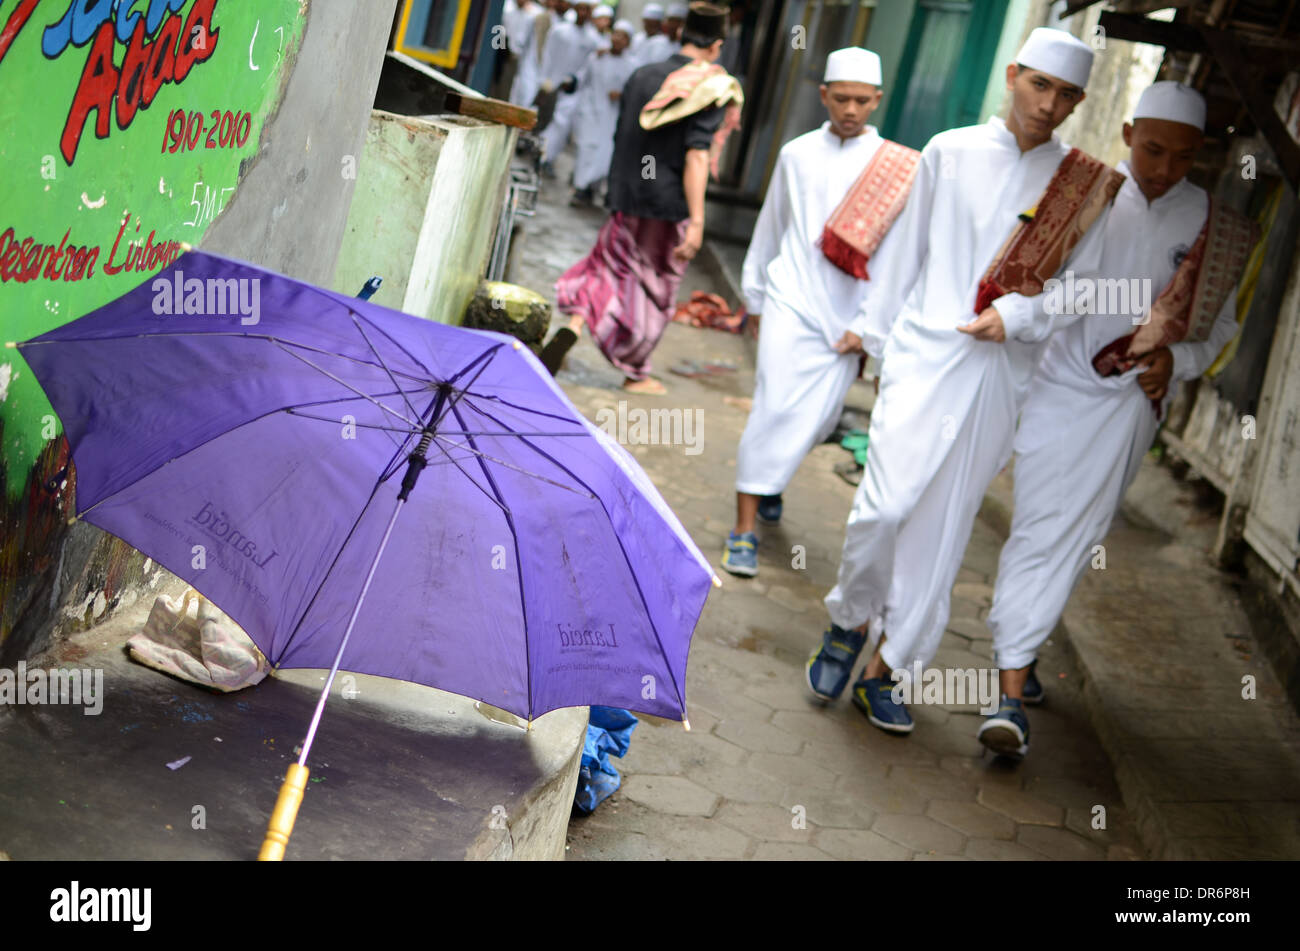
(766, 772)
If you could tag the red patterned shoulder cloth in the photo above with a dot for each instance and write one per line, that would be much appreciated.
(864, 217)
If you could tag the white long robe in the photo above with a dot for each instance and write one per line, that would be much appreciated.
(521, 35)
(943, 422)
(1082, 437)
(806, 303)
(638, 41)
(596, 115)
(567, 48)
(656, 49)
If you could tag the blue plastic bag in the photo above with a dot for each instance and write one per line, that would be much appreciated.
(609, 730)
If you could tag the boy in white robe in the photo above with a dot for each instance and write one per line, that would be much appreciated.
(520, 21)
(652, 21)
(958, 352)
(568, 46)
(666, 43)
(599, 89)
(1082, 436)
(806, 301)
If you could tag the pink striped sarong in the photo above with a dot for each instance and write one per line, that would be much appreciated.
(626, 288)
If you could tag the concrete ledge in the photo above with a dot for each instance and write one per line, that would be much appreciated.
(399, 771)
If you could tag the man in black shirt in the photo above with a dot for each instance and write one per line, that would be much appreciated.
(673, 116)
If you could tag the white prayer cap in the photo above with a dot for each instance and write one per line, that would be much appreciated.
(1058, 54)
(853, 64)
(652, 11)
(604, 10)
(678, 11)
(1173, 101)
(570, 15)
(624, 26)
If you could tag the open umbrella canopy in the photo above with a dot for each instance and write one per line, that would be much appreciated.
(251, 433)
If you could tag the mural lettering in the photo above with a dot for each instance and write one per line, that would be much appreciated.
(158, 50)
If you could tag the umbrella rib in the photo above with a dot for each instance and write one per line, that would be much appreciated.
(387, 474)
(357, 323)
(680, 699)
(459, 394)
(288, 641)
(508, 465)
(487, 355)
(472, 481)
(293, 411)
(386, 430)
(346, 304)
(519, 572)
(506, 432)
(176, 458)
(525, 409)
(414, 425)
(225, 333)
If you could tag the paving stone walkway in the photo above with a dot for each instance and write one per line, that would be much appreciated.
(765, 772)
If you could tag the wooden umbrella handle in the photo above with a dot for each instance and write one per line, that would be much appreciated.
(280, 827)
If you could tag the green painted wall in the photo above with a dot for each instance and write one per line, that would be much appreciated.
(1015, 27)
(98, 195)
(92, 208)
(886, 36)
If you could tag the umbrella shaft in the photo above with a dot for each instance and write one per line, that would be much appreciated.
(338, 658)
(415, 464)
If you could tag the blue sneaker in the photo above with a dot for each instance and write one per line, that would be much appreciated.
(874, 696)
(831, 665)
(741, 557)
(1007, 731)
(769, 509)
(1033, 692)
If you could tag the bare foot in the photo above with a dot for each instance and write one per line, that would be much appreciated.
(647, 387)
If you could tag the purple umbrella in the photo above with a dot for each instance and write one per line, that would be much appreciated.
(318, 465)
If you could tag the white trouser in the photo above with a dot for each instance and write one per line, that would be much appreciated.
(1077, 450)
(799, 391)
(941, 429)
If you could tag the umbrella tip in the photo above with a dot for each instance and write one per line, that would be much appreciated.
(186, 246)
(717, 582)
(686, 723)
(11, 345)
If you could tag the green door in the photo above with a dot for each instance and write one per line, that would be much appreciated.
(945, 68)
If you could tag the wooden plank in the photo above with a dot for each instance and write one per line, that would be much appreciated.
(493, 110)
(1268, 52)
(1139, 29)
(1228, 54)
(409, 87)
